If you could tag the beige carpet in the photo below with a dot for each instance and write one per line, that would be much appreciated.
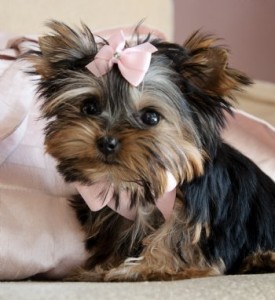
(253, 287)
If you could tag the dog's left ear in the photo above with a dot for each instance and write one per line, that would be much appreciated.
(64, 49)
(207, 66)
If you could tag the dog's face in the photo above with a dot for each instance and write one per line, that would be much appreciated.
(105, 129)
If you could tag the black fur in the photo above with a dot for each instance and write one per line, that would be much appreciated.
(238, 201)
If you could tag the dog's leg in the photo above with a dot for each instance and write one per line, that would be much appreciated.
(158, 262)
(170, 253)
(258, 262)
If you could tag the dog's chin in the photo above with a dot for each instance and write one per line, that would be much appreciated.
(110, 160)
(111, 174)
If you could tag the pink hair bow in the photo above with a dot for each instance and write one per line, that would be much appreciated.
(133, 62)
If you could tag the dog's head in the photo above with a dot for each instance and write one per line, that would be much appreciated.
(104, 128)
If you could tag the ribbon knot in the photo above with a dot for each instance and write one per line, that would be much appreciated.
(133, 62)
(116, 55)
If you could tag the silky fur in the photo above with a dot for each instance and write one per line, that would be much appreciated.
(223, 218)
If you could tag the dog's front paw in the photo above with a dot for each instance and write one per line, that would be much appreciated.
(258, 263)
(135, 269)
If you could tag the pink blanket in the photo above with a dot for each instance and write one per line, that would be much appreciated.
(39, 233)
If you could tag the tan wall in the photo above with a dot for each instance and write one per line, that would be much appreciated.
(29, 16)
(247, 26)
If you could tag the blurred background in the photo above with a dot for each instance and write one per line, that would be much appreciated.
(246, 26)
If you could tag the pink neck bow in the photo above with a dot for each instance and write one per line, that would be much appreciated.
(101, 194)
(132, 62)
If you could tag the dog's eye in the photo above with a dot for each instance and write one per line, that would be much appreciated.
(150, 117)
(91, 107)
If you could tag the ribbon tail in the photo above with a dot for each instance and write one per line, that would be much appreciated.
(166, 203)
(124, 206)
(97, 195)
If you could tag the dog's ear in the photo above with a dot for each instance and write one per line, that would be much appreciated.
(64, 48)
(206, 66)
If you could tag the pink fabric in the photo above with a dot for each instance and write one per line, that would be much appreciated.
(39, 232)
(253, 137)
(133, 62)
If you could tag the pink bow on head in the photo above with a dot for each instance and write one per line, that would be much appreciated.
(132, 62)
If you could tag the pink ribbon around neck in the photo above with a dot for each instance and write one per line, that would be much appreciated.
(101, 194)
(133, 62)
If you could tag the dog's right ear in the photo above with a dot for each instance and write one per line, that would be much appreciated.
(64, 48)
(207, 66)
(203, 63)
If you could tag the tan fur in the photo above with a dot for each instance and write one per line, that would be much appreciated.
(63, 44)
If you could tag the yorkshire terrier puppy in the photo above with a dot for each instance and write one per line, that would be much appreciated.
(136, 126)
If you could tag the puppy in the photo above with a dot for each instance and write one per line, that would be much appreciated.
(135, 125)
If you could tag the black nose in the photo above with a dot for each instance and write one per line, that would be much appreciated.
(107, 145)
